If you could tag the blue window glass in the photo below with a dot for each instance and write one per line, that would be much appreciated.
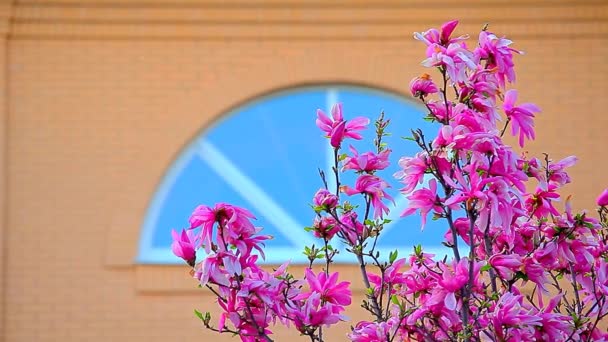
(264, 156)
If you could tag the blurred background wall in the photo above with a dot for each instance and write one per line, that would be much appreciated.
(99, 96)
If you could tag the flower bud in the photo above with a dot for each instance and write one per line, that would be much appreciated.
(325, 199)
(325, 227)
(422, 86)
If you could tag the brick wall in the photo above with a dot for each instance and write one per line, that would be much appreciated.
(102, 94)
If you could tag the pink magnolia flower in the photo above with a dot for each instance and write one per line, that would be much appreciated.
(325, 199)
(546, 255)
(468, 190)
(446, 136)
(422, 86)
(372, 331)
(373, 186)
(465, 120)
(449, 282)
(313, 312)
(498, 54)
(506, 264)
(425, 200)
(599, 286)
(351, 227)
(602, 199)
(328, 287)
(481, 83)
(522, 116)
(486, 143)
(533, 168)
(553, 326)
(500, 209)
(337, 128)
(414, 169)
(439, 111)
(540, 202)
(392, 275)
(455, 58)
(325, 227)
(557, 171)
(184, 246)
(212, 271)
(461, 226)
(245, 244)
(509, 312)
(235, 219)
(536, 273)
(442, 37)
(367, 162)
(507, 165)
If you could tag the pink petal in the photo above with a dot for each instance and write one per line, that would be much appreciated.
(336, 112)
(447, 29)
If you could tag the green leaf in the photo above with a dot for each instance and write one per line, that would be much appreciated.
(486, 267)
(393, 256)
(199, 315)
(395, 300)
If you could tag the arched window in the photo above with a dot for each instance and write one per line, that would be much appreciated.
(265, 156)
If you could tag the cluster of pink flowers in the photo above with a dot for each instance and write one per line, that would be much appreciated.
(252, 299)
(521, 267)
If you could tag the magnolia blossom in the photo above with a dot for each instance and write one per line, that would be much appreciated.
(184, 246)
(367, 162)
(498, 54)
(372, 331)
(557, 171)
(455, 58)
(442, 36)
(374, 187)
(351, 227)
(325, 227)
(506, 264)
(336, 128)
(425, 200)
(325, 199)
(328, 287)
(414, 169)
(521, 116)
(315, 313)
(540, 203)
(227, 216)
(422, 86)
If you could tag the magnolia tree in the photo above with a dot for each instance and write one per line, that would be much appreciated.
(519, 269)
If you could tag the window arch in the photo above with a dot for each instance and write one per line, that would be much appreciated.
(264, 156)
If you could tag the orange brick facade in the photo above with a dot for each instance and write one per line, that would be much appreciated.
(100, 95)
